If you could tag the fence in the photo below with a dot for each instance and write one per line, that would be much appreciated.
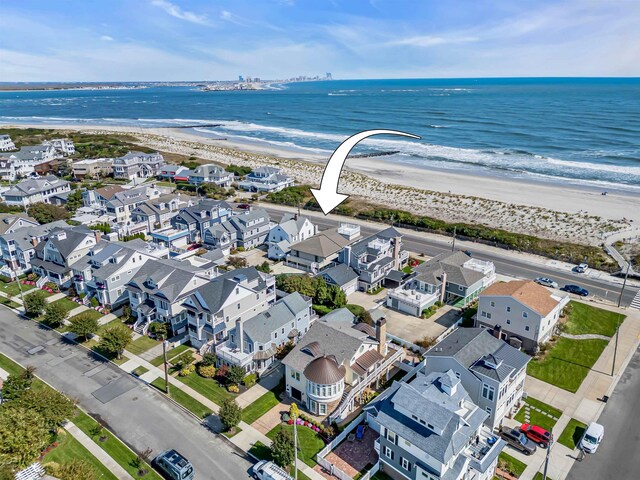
(328, 466)
(404, 343)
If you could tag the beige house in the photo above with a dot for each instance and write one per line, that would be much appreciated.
(523, 312)
(92, 168)
(321, 250)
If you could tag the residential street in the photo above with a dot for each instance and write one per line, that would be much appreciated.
(617, 457)
(506, 263)
(137, 414)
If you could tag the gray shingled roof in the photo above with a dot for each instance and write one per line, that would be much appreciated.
(450, 263)
(340, 275)
(259, 328)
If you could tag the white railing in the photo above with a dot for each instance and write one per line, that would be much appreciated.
(41, 281)
(414, 298)
(206, 347)
(337, 440)
(35, 471)
(371, 472)
(366, 381)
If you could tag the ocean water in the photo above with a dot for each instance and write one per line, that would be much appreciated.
(561, 130)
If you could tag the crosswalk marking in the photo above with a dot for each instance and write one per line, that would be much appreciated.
(635, 303)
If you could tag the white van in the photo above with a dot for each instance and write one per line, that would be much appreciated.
(264, 470)
(592, 438)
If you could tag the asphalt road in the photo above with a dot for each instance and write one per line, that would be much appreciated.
(137, 414)
(505, 264)
(617, 456)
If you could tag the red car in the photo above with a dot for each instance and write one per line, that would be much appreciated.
(537, 434)
(244, 206)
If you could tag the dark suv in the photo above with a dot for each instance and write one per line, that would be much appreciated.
(518, 440)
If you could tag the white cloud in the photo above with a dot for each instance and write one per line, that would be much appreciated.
(106, 38)
(427, 41)
(176, 11)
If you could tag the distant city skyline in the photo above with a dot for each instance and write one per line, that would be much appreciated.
(178, 40)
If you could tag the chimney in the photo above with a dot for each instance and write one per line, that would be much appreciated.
(443, 290)
(381, 336)
(98, 235)
(396, 253)
(34, 241)
(497, 332)
(239, 335)
(346, 255)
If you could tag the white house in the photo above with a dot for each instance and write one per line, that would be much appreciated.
(211, 174)
(265, 179)
(32, 191)
(6, 143)
(62, 146)
(525, 312)
(291, 229)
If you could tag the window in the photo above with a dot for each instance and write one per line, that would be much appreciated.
(488, 315)
(526, 328)
(392, 437)
(525, 315)
(406, 464)
(508, 322)
(388, 452)
(323, 408)
(488, 409)
(488, 391)
(493, 304)
(298, 376)
(483, 314)
(508, 309)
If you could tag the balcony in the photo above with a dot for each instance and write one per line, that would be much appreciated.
(483, 453)
(415, 298)
(231, 354)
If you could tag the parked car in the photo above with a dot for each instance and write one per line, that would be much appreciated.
(518, 440)
(576, 289)
(546, 282)
(244, 206)
(592, 437)
(537, 434)
(264, 470)
(582, 268)
(174, 466)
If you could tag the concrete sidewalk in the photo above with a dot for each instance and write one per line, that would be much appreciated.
(97, 452)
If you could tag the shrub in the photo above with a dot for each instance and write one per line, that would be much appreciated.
(233, 389)
(235, 375)
(283, 448)
(184, 359)
(34, 303)
(294, 411)
(250, 380)
(186, 371)
(208, 359)
(206, 371)
(94, 302)
(230, 413)
(426, 342)
(54, 314)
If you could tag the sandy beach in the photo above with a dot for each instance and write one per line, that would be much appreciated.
(567, 213)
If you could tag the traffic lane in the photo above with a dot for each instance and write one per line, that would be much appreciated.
(617, 456)
(504, 265)
(140, 416)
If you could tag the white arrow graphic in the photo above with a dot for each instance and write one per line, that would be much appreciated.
(327, 195)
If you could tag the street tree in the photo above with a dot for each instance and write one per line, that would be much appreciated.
(115, 339)
(24, 435)
(35, 302)
(83, 325)
(230, 413)
(54, 314)
(283, 448)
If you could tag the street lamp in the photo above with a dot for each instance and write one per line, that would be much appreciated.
(166, 366)
(615, 348)
(546, 460)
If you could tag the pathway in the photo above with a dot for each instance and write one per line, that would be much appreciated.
(78, 310)
(586, 336)
(97, 452)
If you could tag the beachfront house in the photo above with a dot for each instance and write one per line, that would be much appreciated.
(374, 257)
(321, 250)
(336, 361)
(6, 143)
(213, 309)
(36, 190)
(491, 370)
(449, 278)
(92, 168)
(136, 165)
(291, 229)
(265, 180)
(524, 312)
(62, 146)
(55, 257)
(430, 429)
(254, 343)
(211, 174)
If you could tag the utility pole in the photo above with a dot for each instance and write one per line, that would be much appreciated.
(295, 450)
(453, 245)
(166, 367)
(546, 460)
(615, 348)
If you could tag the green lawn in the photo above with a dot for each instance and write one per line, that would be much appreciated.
(183, 399)
(572, 433)
(381, 476)
(140, 371)
(588, 319)
(567, 363)
(13, 289)
(539, 476)
(173, 353)
(94, 346)
(511, 464)
(70, 449)
(113, 322)
(407, 269)
(208, 387)
(112, 446)
(263, 404)
(260, 451)
(537, 418)
(67, 304)
(91, 313)
(141, 345)
(9, 303)
(309, 441)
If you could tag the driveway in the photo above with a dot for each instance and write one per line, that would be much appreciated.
(412, 328)
(137, 414)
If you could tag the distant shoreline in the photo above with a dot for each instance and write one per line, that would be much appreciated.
(31, 87)
(554, 211)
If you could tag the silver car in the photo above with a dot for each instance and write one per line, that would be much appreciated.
(546, 282)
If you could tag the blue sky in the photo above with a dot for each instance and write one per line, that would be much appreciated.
(111, 40)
